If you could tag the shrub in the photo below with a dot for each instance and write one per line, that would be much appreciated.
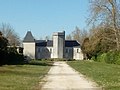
(111, 57)
(117, 58)
(93, 58)
(117, 62)
(3, 57)
(11, 58)
(15, 58)
(102, 57)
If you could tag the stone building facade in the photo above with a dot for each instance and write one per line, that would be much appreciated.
(56, 48)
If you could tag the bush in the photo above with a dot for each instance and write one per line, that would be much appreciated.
(117, 58)
(3, 57)
(93, 58)
(11, 58)
(14, 58)
(117, 62)
(41, 62)
(101, 58)
(112, 57)
(109, 57)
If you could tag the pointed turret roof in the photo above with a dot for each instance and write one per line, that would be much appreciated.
(29, 37)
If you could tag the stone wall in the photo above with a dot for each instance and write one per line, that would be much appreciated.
(68, 53)
(44, 52)
(29, 49)
(77, 53)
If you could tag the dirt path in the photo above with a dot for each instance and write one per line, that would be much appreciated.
(62, 77)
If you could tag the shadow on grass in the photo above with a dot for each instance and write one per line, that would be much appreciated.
(21, 73)
(41, 63)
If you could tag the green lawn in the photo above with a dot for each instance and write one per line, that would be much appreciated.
(23, 77)
(105, 75)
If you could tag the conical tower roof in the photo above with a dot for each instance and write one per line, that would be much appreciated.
(29, 37)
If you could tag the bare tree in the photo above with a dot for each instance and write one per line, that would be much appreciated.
(107, 12)
(69, 37)
(9, 33)
(3, 42)
(76, 34)
(79, 35)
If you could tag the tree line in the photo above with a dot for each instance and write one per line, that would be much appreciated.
(102, 40)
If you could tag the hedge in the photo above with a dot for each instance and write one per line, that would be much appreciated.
(111, 57)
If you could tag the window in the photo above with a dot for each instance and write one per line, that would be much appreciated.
(50, 49)
(77, 50)
(67, 50)
(38, 49)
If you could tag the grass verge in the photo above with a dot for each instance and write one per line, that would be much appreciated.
(105, 75)
(23, 77)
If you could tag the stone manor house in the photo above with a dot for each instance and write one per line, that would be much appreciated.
(56, 48)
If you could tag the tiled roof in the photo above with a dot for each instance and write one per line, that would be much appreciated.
(71, 43)
(44, 43)
(49, 43)
(29, 37)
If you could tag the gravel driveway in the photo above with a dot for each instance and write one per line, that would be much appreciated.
(62, 77)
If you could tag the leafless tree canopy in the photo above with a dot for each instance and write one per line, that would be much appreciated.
(69, 37)
(9, 33)
(78, 35)
(107, 13)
